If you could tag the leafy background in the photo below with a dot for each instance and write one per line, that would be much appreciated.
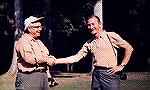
(65, 31)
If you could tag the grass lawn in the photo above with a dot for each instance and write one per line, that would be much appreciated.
(79, 81)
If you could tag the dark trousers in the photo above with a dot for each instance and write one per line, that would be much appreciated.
(32, 81)
(102, 80)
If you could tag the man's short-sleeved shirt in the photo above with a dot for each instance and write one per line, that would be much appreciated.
(29, 51)
(102, 49)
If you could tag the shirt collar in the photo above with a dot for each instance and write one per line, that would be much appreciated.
(103, 34)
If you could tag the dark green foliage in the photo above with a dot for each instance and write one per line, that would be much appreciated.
(65, 29)
(7, 29)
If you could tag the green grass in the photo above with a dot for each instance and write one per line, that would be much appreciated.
(78, 81)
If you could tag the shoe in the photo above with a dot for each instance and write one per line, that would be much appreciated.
(52, 82)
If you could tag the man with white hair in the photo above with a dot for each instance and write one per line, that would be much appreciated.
(33, 58)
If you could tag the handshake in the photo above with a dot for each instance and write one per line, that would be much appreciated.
(51, 60)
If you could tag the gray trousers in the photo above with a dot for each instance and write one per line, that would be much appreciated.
(102, 80)
(33, 81)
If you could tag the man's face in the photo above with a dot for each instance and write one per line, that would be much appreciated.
(35, 29)
(93, 25)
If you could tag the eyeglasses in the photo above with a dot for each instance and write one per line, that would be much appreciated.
(36, 26)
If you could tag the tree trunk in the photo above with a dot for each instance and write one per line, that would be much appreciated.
(98, 8)
(18, 33)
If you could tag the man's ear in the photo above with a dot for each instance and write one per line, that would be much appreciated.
(29, 29)
(101, 26)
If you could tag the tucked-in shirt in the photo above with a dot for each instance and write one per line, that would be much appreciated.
(29, 52)
(104, 53)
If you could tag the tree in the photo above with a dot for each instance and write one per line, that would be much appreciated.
(7, 29)
(18, 32)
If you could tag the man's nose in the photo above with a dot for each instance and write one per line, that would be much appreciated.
(40, 28)
(91, 26)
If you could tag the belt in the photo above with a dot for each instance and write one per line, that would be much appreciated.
(27, 72)
(101, 67)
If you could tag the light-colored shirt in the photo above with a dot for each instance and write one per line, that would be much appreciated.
(101, 50)
(29, 52)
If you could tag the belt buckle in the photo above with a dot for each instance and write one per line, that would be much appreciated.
(40, 70)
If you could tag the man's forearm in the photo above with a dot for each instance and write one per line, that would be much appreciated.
(67, 60)
(128, 52)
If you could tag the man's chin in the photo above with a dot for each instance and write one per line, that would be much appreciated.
(93, 33)
(37, 37)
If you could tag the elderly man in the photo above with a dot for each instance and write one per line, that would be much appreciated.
(33, 58)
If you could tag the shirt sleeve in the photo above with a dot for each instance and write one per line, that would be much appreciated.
(74, 58)
(117, 41)
(24, 50)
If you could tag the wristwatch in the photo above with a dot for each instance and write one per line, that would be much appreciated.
(123, 65)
